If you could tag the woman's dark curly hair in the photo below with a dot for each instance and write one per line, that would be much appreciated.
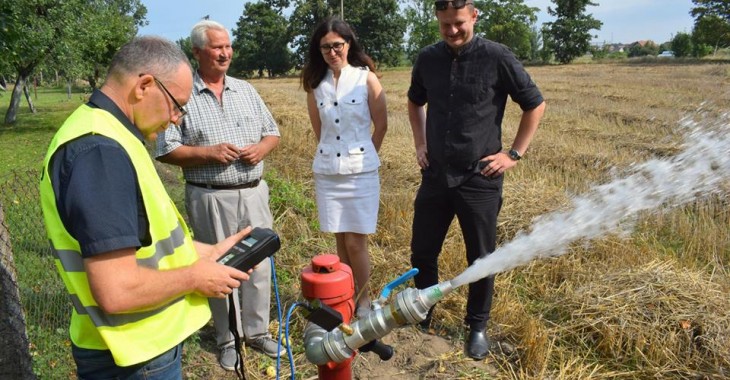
(315, 67)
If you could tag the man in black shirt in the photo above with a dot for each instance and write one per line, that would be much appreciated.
(465, 80)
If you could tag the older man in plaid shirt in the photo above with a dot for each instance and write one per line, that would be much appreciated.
(221, 145)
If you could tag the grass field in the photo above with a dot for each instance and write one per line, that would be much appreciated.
(648, 302)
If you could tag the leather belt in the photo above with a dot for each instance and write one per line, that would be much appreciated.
(246, 185)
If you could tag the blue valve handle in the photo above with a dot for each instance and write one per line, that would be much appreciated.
(400, 280)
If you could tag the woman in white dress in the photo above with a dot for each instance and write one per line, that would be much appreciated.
(344, 96)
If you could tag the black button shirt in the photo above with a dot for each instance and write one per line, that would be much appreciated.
(466, 94)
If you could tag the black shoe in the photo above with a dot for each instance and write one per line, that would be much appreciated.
(425, 324)
(476, 345)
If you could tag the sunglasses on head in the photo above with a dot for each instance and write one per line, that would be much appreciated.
(442, 5)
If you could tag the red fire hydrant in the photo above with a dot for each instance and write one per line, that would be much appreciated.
(331, 282)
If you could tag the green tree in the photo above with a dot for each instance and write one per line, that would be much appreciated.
(546, 53)
(378, 25)
(713, 31)
(279, 4)
(5, 69)
(53, 33)
(535, 43)
(643, 49)
(31, 31)
(306, 15)
(111, 23)
(682, 45)
(600, 52)
(720, 8)
(700, 50)
(186, 45)
(712, 24)
(261, 41)
(508, 22)
(421, 27)
(570, 32)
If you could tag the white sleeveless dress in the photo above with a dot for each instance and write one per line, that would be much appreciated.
(346, 163)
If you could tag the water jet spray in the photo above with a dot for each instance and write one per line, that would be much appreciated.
(702, 168)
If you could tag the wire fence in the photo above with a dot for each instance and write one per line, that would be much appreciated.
(34, 305)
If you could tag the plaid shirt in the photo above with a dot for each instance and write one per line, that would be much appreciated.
(242, 119)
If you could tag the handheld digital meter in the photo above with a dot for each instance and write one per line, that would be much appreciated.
(251, 250)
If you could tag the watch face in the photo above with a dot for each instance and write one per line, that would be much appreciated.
(514, 154)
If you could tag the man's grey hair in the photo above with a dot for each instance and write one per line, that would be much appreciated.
(199, 34)
(148, 55)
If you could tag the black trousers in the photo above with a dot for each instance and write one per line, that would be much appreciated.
(476, 204)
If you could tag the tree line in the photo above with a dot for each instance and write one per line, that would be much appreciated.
(392, 32)
(711, 32)
(75, 39)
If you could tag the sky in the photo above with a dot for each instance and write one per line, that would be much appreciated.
(624, 21)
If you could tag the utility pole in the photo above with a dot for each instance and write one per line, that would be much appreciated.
(342, 10)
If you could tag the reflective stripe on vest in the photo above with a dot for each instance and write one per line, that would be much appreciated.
(72, 261)
(102, 319)
(138, 336)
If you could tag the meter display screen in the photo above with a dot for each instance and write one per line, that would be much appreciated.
(249, 251)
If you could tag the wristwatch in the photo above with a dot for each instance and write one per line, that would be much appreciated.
(515, 155)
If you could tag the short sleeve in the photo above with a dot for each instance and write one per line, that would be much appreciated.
(517, 82)
(417, 91)
(168, 140)
(97, 195)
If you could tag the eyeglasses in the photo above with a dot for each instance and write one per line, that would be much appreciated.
(336, 46)
(180, 108)
(442, 5)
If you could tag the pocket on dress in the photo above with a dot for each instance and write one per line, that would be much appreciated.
(354, 99)
(324, 162)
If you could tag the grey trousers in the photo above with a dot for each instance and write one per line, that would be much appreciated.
(215, 215)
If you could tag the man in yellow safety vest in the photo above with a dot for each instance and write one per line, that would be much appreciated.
(138, 283)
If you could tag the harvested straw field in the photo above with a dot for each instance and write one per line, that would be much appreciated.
(647, 301)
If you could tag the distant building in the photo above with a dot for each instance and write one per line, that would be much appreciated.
(621, 47)
(612, 48)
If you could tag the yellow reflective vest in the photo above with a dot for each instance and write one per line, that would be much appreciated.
(138, 336)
